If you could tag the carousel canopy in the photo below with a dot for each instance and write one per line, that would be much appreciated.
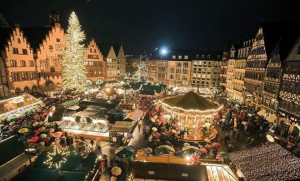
(190, 100)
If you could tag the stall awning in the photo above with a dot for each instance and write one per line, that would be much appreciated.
(134, 115)
(261, 112)
(121, 126)
(271, 118)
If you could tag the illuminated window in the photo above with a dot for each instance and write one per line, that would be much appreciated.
(50, 47)
(179, 57)
(13, 63)
(51, 62)
(15, 76)
(43, 66)
(174, 57)
(24, 51)
(23, 63)
(24, 76)
(186, 57)
(15, 51)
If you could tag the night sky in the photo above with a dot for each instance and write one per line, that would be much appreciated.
(144, 25)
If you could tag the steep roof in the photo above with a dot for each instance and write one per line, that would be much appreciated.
(4, 36)
(36, 35)
(273, 32)
(190, 100)
(104, 48)
(117, 48)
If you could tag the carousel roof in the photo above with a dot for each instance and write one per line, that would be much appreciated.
(190, 100)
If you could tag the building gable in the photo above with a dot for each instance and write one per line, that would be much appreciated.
(93, 52)
(294, 54)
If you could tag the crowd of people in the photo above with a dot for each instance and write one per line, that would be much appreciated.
(267, 162)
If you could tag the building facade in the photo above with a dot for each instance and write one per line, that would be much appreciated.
(115, 62)
(47, 43)
(185, 68)
(223, 70)
(206, 70)
(289, 95)
(272, 81)
(94, 64)
(18, 59)
(236, 71)
(255, 69)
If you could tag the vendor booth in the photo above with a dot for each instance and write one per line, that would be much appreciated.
(89, 123)
(194, 114)
(18, 106)
(119, 130)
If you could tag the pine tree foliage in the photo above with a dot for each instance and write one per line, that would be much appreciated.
(73, 68)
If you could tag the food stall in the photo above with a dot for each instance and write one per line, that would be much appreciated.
(89, 123)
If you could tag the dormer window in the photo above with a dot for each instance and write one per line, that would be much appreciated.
(208, 56)
(203, 56)
(186, 57)
(173, 56)
(179, 57)
(197, 56)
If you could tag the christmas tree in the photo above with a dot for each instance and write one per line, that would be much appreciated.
(73, 68)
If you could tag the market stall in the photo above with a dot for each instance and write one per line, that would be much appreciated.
(119, 130)
(87, 123)
(18, 106)
(194, 114)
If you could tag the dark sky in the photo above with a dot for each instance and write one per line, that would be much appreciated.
(146, 24)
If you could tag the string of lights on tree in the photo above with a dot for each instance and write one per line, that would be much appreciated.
(72, 63)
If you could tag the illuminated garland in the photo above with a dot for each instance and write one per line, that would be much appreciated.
(191, 110)
(57, 157)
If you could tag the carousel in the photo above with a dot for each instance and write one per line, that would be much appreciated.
(193, 114)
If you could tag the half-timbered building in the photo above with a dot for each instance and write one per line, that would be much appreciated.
(264, 43)
(289, 95)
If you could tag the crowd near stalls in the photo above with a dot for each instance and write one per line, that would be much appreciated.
(266, 162)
